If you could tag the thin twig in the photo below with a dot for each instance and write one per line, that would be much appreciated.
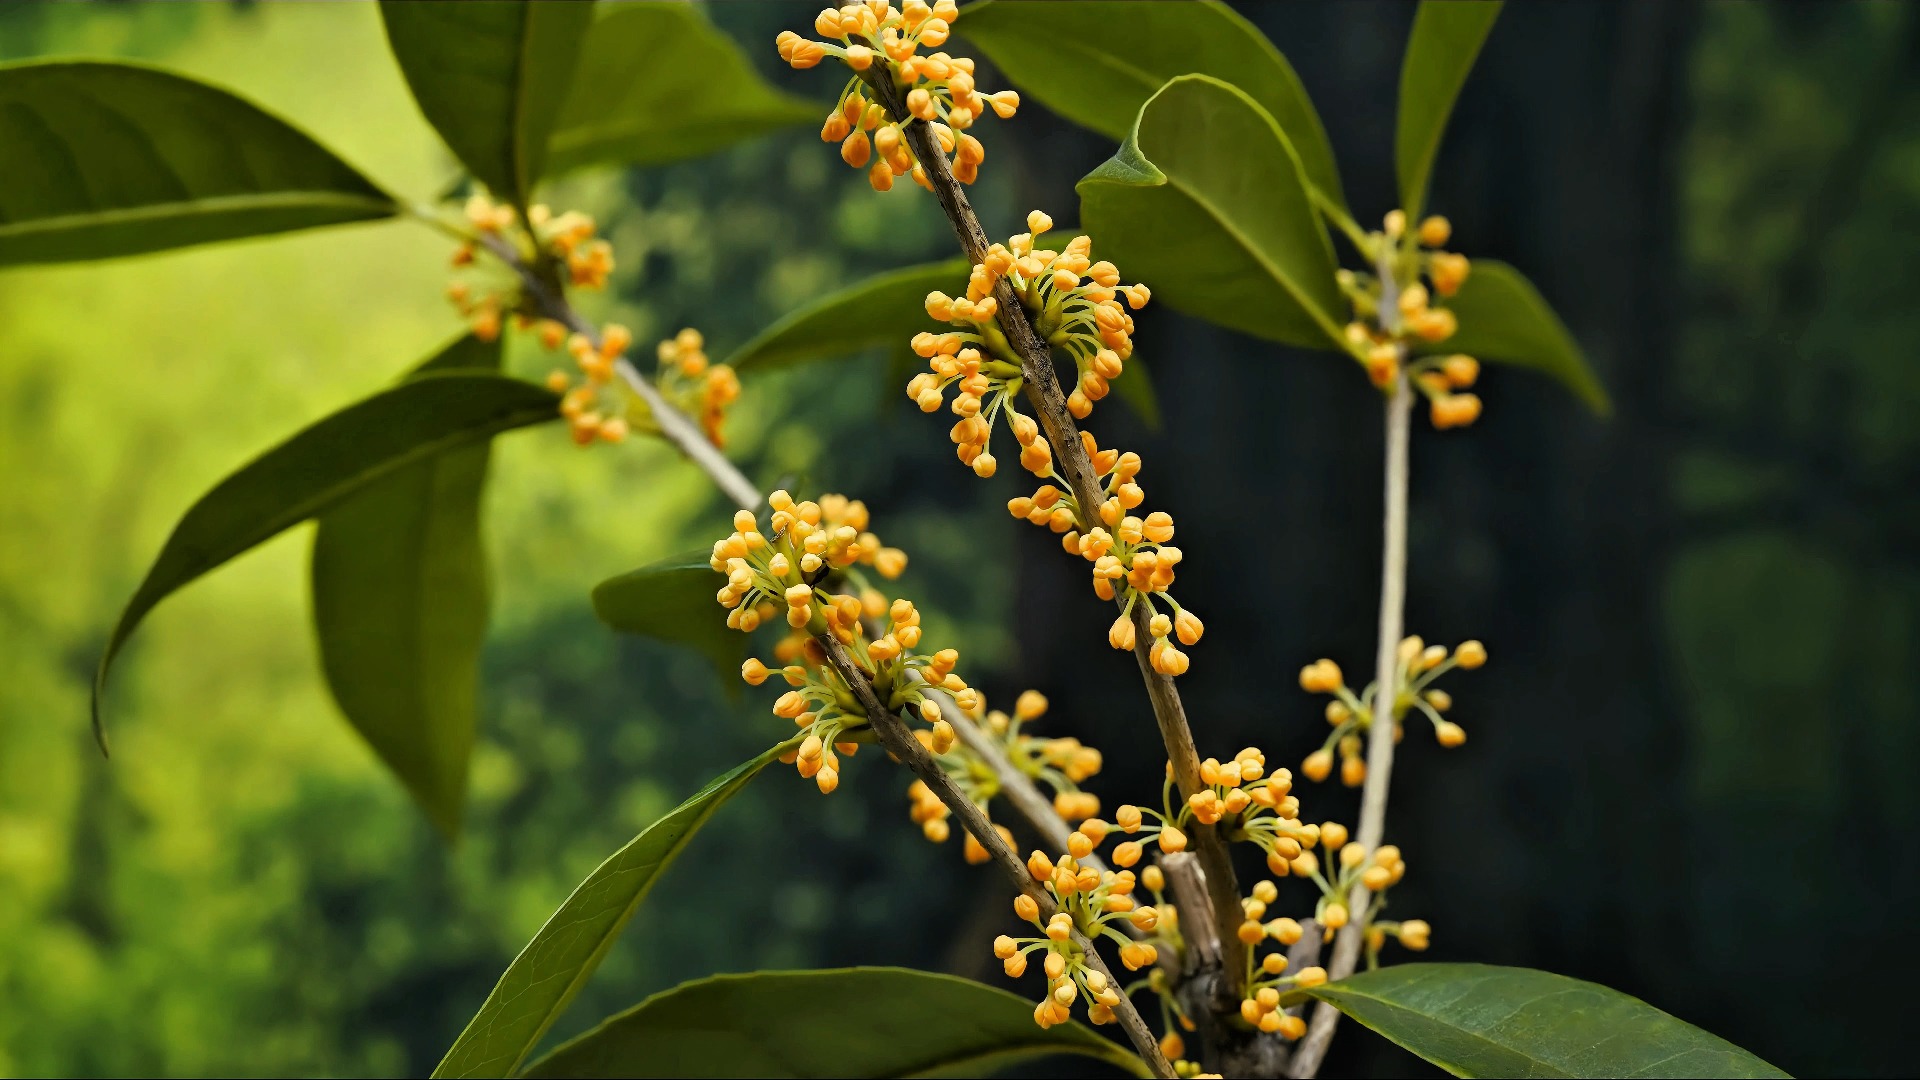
(1044, 393)
(899, 742)
(1393, 588)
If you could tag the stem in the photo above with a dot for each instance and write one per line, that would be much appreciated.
(1373, 797)
(1043, 391)
(900, 742)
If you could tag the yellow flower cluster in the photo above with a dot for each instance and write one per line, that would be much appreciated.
(1072, 302)
(1240, 799)
(789, 571)
(938, 88)
(1260, 1006)
(1419, 665)
(566, 239)
(1090, 901)
(1375, 872)
(699, 387)
(1382, 336)
(593, 407)
(1061, 765)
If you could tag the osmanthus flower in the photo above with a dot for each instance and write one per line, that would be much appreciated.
(1267, 978)
(1419, 665)
(1372, 871)
(1092, 902)
(601, 408)
(1381, 338)
(1057, 764)
(1240, 799)
(1073, 303)
(938, 88)
(565, 240)
(790, 571)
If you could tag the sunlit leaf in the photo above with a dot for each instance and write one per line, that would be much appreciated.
(1503, 317)
(851, 1022)
(1096, 62)
(657, 82)
(547, 974)
(400, 609)
(491, 76)
(1206, 204)
(1482, 1020)
(322, 465)
(673, 601)
(1446, 39)
(885, 310)
(102, 159)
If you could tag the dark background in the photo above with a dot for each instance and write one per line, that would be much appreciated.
(1687, 774)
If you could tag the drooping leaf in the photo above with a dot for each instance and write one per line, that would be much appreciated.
(1096, 62)
(400, 609)
(1482, 1020)
(1205, 202)
(491, 76)
(673, 601)
(657, 82)
(850, 1022)
(884, 310)
(547, 974)
(1503, 317)
(1446, 39)
(102, 159)
(320, 466)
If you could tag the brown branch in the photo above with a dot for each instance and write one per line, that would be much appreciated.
(899, 742)
(1044, 393)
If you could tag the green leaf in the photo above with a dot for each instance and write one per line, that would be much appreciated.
(400, 609)
(851, 1022)
(656, 83)
(1446, 39)
(1135, 387)
(1503, 317)
(1096, 62)
(884, 310)
(1482, 1020)
(548, 973)
(1206, 204)
(673, 601)
(322, 465)
(106, 159)
(491, 76)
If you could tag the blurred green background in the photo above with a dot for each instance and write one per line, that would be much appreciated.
(1688, 773)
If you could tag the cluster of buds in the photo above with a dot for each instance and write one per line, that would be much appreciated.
(767, 575)
(1383, 333)
(1268, 980)
(1132, 556)
(1239, 798)
(1419, 664)
(1373, 872)
(566, 240)
(594, 405)
(1059, 764)
(697, 386)
(937, 88)
(1088, 901)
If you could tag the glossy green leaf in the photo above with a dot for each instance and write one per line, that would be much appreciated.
(1446, 39)
(673, 601)
(491, 76)
(657, 82)
(1096, 62)
(850, 1022)
(885, 310)
(1482, 1020)
(1503, 317)
(104, 159)
(322, 465)
(400, 609)
(1205, 202)
(547, 974)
